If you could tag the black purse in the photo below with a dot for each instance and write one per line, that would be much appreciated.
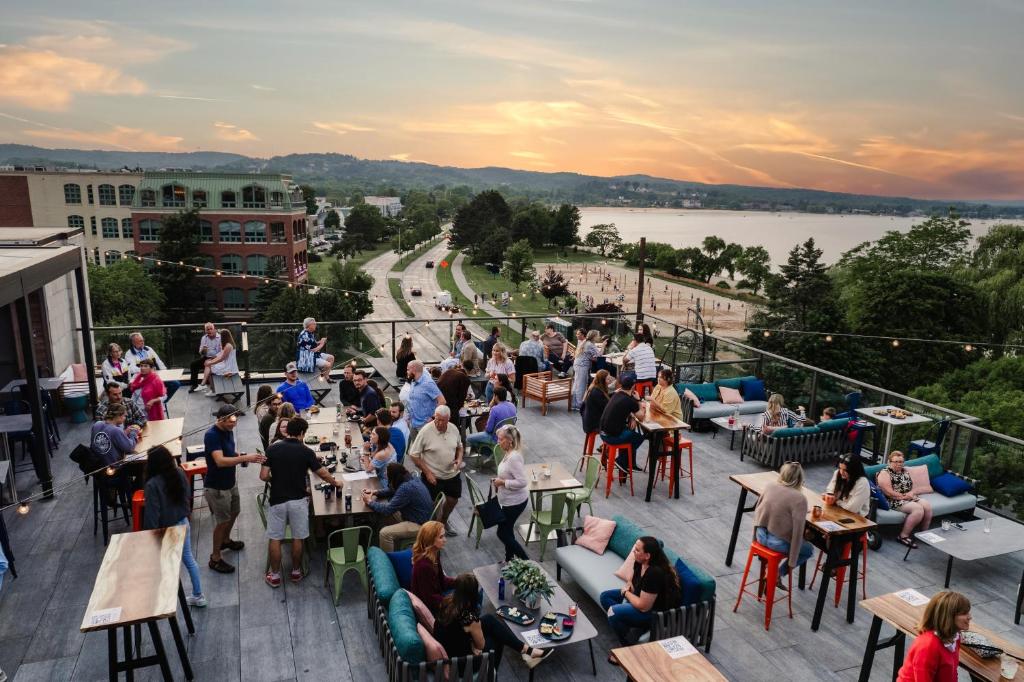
(490, 512)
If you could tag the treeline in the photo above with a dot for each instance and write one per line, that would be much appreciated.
(421, 218)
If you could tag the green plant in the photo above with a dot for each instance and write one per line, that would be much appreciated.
(530, 582)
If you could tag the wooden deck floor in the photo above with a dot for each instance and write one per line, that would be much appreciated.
(251, 632)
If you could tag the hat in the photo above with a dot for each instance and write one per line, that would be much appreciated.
(291, 367)
(226, 411)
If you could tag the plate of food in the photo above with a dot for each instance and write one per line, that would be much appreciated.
(314, 410)
(511, 613)
(311, 440)
(556, 626)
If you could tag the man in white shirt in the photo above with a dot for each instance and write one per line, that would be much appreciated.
(209, 347)
(437, 453)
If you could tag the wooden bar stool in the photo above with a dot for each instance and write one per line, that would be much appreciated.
(841, 571)
(196, 467)
(588, 449)
(611, 452)
(768, 575)
(138, 504)
(665, 468)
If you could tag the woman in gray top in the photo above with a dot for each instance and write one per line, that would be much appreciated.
(512, 487)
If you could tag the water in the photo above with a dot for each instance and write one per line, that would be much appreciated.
(777, 232)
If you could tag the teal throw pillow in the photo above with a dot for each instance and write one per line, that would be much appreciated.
(734, 382)
(384, 578)
(402, 621)
(833, 424)
(625, 536)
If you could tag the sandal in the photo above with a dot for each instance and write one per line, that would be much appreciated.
(234, 545)
(296, 575)
(221, 566)
(906, 542)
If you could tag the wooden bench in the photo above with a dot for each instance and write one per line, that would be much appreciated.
(543, 387)
(228, 388)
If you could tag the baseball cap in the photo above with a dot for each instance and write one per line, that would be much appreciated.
(226, 411)
(291, 367)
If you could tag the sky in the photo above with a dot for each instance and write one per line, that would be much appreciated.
(919, 98)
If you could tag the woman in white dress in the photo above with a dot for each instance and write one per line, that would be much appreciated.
(224, 363)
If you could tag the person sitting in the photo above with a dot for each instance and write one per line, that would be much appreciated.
(615, 427)
(776, 416)
(640, 353)
(395, 435)
(556, 350)
(491, 340)
(262, 405)
(654, 586)
(780, 516)
(114, 395)
(368, 402)
(506, 383)
(429, 582)
(209, 347)
(827, 414)
(110, 440)
(269, 418)
(470, 353)
(501, 410)
(115, 369)
(894, 480)
(347, 390)
(850, 485)
(532, 347)
(462, 631)
(140, 350)
(665, 404)
(405, 505)
(309, 351)
(498, 364)
(403, 357)
(594, 402)
(935, 654)
(294, 390)
(378, 453)
(224, 363)
(150, 390)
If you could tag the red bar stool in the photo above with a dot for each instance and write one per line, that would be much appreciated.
(610, 454)
(664, 466)
(196, 467)
(138, 504)
(644, 387)
(841, 571)
(767, 577)
(588, 448)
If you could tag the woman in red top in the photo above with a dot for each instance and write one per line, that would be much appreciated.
(429, 582)
(152, 390)
(935, 654)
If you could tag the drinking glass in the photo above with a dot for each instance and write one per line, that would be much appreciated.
(1008, 666)
(988, 526)
(946, 525)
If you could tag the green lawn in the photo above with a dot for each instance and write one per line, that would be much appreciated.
(318, 272)
(403, 263)
(395, 287)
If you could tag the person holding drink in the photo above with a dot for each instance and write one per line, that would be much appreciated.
(378, 453)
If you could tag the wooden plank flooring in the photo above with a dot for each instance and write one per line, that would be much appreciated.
(251, 632)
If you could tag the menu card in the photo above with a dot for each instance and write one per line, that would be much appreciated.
(677, 647)
(912, 597)
(534, 638)
(930, 537)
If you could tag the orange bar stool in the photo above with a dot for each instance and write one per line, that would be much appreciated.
(766, 579)
(841, 571)
(644, 387)
(664, 466)
(611, 453)
(138, 504)
(588, 448)
(196, 467)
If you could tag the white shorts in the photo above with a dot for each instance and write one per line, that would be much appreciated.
(324, 360)
(292, 514)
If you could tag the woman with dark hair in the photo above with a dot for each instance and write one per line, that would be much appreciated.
(167, 504)
(850, 485)
(653, 587)
(403, 357)
(224, 363)
(285, 412)
(935, 654)
(263, 394)
(506, 383)
(378, 453)
(462, 631)
(594, 402)
(269, 417)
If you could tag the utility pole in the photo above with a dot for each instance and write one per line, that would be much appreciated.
(640, 283)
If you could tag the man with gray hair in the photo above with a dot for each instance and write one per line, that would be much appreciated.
(423, 398)
(437, 453)
(311, 357)
(533, 348)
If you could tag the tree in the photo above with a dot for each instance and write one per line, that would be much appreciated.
(332, 221)
(692, 262)
(997, 271)
(121, 294)
(553, 285)
(518, 265)
(532, 223)
(269, 290)
(363, 228)
(714, 247)
(184, 291)
(309, 196)
(727, 259)
(605, 237)
(482, 228)
(565, 228)
(755, 265)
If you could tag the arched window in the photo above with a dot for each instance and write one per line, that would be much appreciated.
(129, 254)
(256, 265)
(229, 231)
(107, 195)
(173, 196)
(126, 228)
(255, 232)
(227, 199)
(276, 199)
(205, 232)
(234, 299)
(109, 227)
(199, 198)
(111, 256)
(231, 264)
(149, 230)
(126, 194)
(72, 194)
(147, 198)
(254, 196)
(76, 222)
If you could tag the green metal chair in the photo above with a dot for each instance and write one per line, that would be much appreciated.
(261, 505)
(387, 401)
(438, 504)
(580, 496)
(499, 455)
(485, 453)
(476, 497)
(349, 556)
(555, 518)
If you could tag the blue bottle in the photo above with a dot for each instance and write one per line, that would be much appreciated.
(501, 589)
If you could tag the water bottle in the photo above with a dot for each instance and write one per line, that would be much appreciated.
(501, 588)
(348, 498)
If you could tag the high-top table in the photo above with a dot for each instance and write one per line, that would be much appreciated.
(164, 432)
(655, 428)
(560, 479)
(11, 423)
(890, 422)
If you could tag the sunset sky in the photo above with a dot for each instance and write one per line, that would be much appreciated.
(913, 97)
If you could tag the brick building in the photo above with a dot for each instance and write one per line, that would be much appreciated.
(247, 222)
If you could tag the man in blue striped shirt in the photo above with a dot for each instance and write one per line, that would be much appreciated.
(405, 507)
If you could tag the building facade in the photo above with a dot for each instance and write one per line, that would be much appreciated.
(388, 206)
(97, 202)
(248, 224)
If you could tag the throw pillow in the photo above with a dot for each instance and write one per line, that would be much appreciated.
(383, 572)
(931, 461)
(434, 650)
(922, 485)
(689, 584)
(950, 485)
(402, 562)
(692, 397)
(753, 390)
(596, 534)
(705, 391)
(402, 622)
(625, 571)
(423, 615)
(79, 372)
(730, 396)
(833, 424)
(880, 498)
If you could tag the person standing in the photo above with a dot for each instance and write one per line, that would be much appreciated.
(3, 570)
(423, 398)
(513, 491)
(285, 468)
(403, 357)
(470, 353)
(454, 385)
(491, 340)
(935, 654)
(294, 390)
(532, 347)
(221, 488)
(209, 347)
(269, 418)
(586, 351)
(309, 351)
(437, 453)
(404, 505)
(150, 389)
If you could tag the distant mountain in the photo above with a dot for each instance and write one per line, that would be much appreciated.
(21, 154)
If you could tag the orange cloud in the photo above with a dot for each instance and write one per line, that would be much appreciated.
(44, 79)
(122, 137)
(340, 127)
(229, 132)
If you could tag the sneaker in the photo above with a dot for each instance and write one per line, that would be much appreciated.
(295, 576)
(196, 388)
(192, 600)
(273, 579)
(221, 566)
(532, 661)
(3, 676)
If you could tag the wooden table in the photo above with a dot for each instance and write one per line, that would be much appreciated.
(139, 582)
(159, 433)
(655, 429)
(833, 531)
(890, 422)
(560, 479)
(651, 663)
(326, 415)
(973, 542)
(334, 507)
(905, 617)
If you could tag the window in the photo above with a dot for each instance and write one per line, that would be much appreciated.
(110, 228)
(72, 194)
(277, 234)
(111, 256)
(206, 262)
(88, 191)
(107, 195)
(149, 230)
(126, 194)
(254, 196)
(278, 264)
(92, 228)
(76, 222)
(126, 228)
(129, 254)
(199, 198)
(227, 199)
(147, 198)
(255, 232)
(230, 231)
(205, 232)
(231, 264)
(173, 196)
(276, 199)
(256, 265)
(254, 297)
(234, 299)
(210, 297)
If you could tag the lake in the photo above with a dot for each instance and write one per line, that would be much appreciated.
(777, 232)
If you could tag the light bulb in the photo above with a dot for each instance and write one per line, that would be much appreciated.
(895, 343)
(968, 348)
(828, 338)
(111, 471)
(23, 508)
(767, 333)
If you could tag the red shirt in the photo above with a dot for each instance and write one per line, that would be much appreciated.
(929, 661)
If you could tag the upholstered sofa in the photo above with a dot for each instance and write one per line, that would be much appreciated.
(806, 444)
(711, 405)
(595, 573)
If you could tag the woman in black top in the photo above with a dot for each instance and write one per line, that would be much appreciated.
(269, 418)
(594, 402)
(653, 587)
(402, 359)
(462, 631)
(167, 504)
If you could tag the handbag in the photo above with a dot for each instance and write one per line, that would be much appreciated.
(490, 512)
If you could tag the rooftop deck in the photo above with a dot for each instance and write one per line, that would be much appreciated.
(252, 632)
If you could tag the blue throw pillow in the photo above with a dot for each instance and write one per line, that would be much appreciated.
(876, 492)
(753, 389)
(789, 431)
(950, 485)
(734, 382)
(402, 563)
(689, 584)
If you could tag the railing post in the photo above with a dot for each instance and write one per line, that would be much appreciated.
(813, 402)
(394, 350)
(523, 332)
(244, 347)
(954, 439)
(972, 436)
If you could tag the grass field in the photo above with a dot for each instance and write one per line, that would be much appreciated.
(395, 287)
(318, 271)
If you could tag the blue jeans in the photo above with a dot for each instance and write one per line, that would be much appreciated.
(624, 615)
(481, 438)
(779, 545)
(189, 560)
(627, 436)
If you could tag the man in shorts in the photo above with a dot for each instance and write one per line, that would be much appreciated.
(221, 489)
(437, 453)
(285, 469)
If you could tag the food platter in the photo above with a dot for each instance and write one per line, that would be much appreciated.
(556, 626)
(514, 615)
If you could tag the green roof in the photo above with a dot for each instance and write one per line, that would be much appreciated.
(214, 184)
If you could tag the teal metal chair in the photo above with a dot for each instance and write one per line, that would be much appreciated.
(585, 495)
(261, 505)
(555, 518)
(476, 497)
(350, 555)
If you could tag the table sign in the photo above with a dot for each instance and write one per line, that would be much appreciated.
(677, 647)
(930, 537)
(571, 482)
(105, 616)
(913, 597)
(534, 638)
(830, 526)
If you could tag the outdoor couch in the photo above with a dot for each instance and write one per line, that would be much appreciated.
(805, 444)
(595, 573)
(754, 395)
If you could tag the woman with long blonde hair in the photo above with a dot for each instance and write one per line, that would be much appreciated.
(776, 415)
(779, 518)
(429, 582)
(498, 364)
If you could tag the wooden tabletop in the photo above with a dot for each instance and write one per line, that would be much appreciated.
(322, 507)
(830, 522)
(159, 432)
(662, 422)
(560, 479)
(138, 579)
(326, 415)
(905, 618)
(651, 663)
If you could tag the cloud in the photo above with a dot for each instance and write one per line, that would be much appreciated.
(340, 127)
(229, 132)
(196, 99)
(121, 137)
(504, 118)
(266, 88)
(528, 155)
(404, 156)
(43, 79)
(106, 42)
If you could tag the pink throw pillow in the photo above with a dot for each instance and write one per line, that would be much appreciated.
(625, 571)
(692, 397)
(922, 484)
(79, 372)
(434, 650)
(730, 396)
(423, 615)
(596, 534)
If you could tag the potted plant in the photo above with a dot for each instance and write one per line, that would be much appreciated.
(530, 582)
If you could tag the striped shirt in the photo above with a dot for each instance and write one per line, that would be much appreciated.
(644, 362)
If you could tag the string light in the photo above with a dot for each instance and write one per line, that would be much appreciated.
(895, 343)
(828, 338)
(23, 508)
(968, 348)
(767, 333)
